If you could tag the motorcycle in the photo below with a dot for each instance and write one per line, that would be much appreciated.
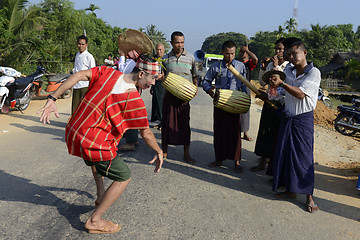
(324, 98)
(53, 84)
(348, 120)
(15, 89)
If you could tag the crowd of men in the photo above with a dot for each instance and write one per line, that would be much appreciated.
(112, 106)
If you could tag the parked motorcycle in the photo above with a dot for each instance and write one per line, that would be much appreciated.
(15, 90)
(324, 98)
(53, 84)
(348, 120)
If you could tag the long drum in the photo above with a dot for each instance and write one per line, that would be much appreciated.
(179, 87)
(232, 101)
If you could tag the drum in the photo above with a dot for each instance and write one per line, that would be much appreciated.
(232, 101)
(180, 87)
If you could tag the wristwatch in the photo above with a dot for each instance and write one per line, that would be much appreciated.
(52, 98)
(282, 84)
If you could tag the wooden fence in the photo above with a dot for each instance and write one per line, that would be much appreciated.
(332, 84)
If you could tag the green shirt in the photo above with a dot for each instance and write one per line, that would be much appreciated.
(183, 66)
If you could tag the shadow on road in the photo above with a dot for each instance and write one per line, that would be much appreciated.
(18, 189)
(44, 130)
(256, 184)
(36, 119)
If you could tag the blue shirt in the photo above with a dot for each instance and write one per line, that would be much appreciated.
(224, 79)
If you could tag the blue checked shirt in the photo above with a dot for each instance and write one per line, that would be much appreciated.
(224, 79)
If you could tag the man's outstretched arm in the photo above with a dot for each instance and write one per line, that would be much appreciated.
(69, 83)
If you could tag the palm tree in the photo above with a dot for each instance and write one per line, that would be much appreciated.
(280, 32)
(92, 9)
(20, 22)
(291, 25)
(156, 36)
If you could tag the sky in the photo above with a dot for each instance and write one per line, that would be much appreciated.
(201, 19)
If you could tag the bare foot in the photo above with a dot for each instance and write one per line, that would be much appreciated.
(165, 154)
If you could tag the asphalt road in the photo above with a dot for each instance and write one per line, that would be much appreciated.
(47, 194)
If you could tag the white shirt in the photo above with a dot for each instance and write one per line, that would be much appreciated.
(83, 61)
(309, 83)
(126, 67)
(121, 86)
(108, 62)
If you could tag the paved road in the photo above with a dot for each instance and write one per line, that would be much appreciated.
(47, 194)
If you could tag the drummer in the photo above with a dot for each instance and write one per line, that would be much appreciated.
(227, 126)
(175, 112)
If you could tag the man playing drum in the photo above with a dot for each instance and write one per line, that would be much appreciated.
(227, 126)
(176, 112)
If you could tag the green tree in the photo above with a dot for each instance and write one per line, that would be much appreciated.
(156, 36)
(323, 42)
(20, 24)
(353, 66)
(291, 25)
(213, 44)
(92, 9)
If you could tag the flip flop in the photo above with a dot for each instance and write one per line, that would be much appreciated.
(311, 208)
(105, 229)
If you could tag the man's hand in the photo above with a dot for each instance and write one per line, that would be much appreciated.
(160, 77)
(275, 60)
(244, 48)
(159, 161)
(121, 53)
(275, 80)
(47, 110)
(211, 92)
(263, 96)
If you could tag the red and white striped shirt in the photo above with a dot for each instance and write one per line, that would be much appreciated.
(99, 122)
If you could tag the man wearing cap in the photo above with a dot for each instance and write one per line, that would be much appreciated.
(110, 107)
(175, 112)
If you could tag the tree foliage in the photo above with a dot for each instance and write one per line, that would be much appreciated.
(214, 43)
(156, 36)
(46, 34)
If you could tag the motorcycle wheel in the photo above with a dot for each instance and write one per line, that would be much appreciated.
(328, 103)
(26, 103)
(67, 93)
(343, 130)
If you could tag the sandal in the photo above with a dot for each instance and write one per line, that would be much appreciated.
(106, 229)
(311, 208)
